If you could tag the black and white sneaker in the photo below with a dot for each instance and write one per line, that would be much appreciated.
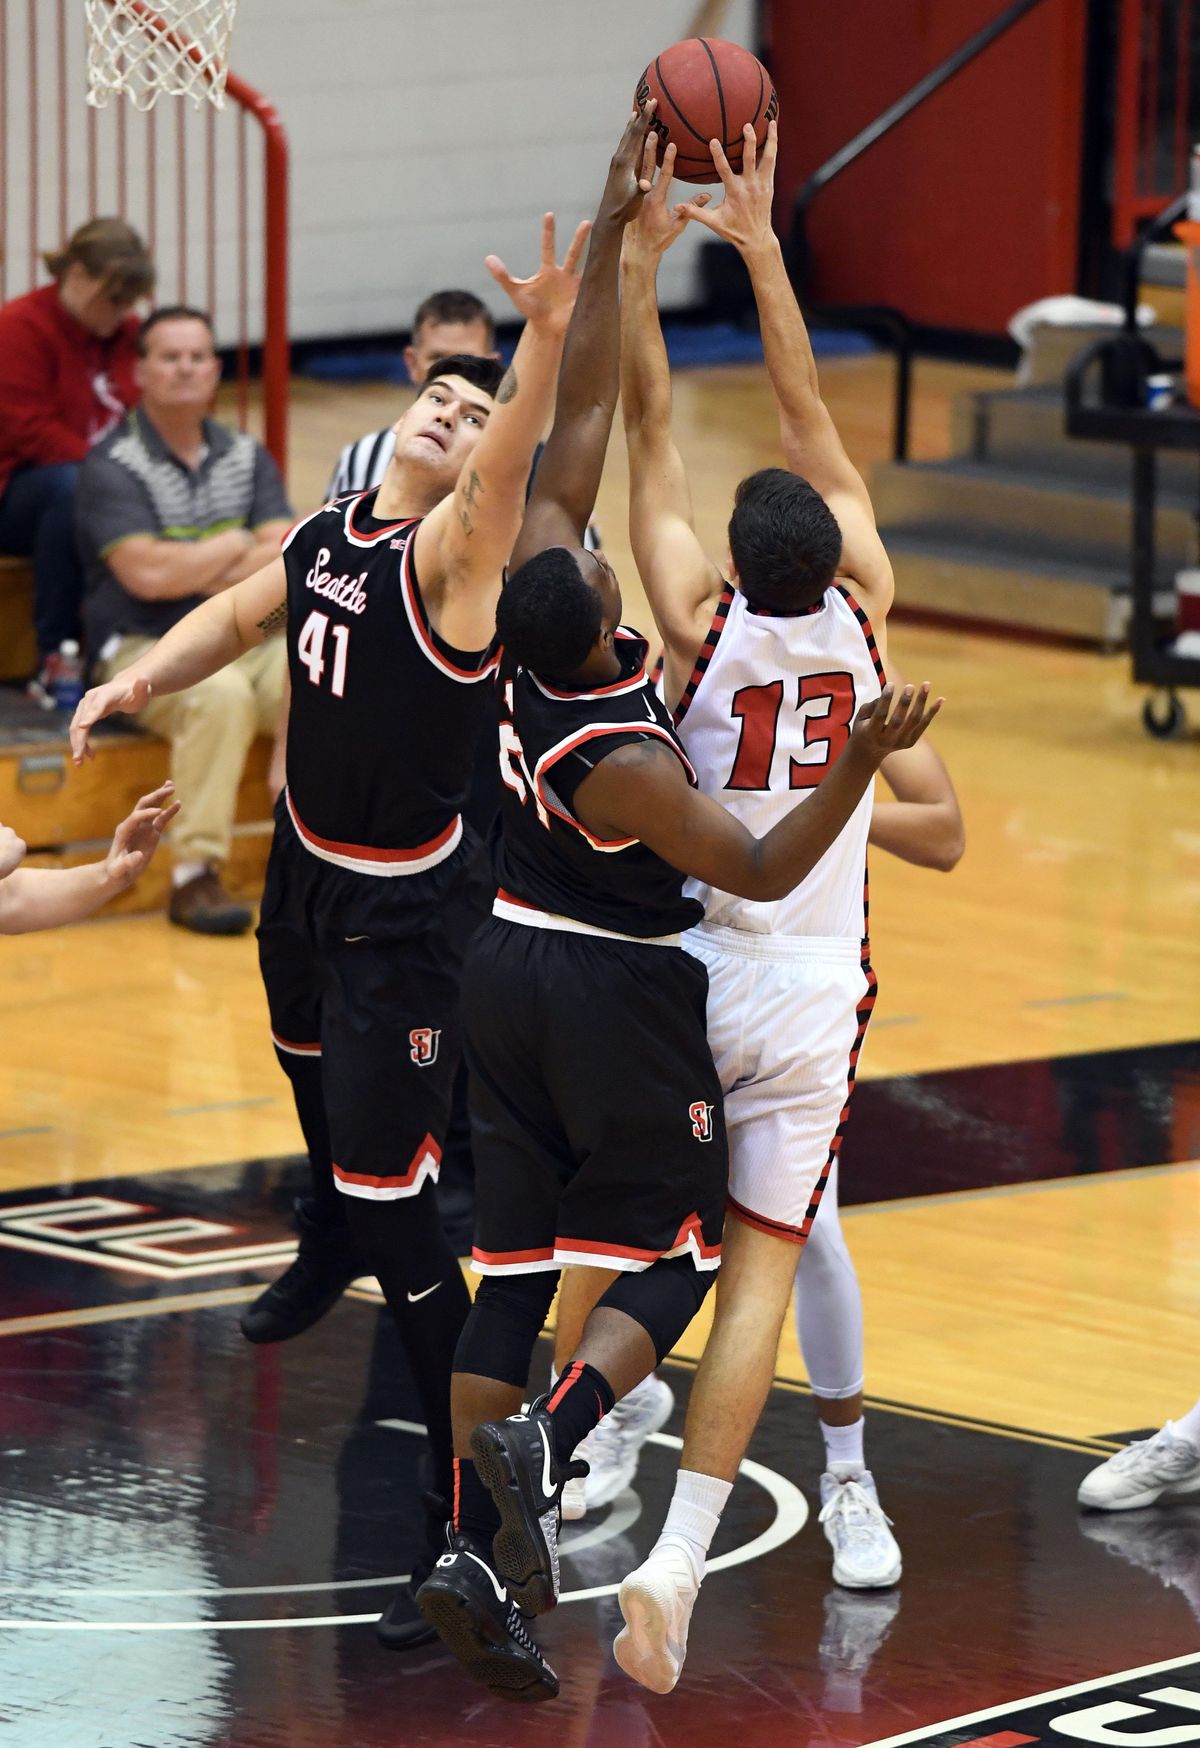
(516, 1462)
(473, 1614)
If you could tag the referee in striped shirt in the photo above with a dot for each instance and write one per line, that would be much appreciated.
(447, 325)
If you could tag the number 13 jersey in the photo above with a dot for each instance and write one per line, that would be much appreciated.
(768, 708)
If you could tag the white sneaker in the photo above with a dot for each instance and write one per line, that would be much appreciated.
(866, 1555)
(657, 1602)
(1146, 1471)
(614, 1449)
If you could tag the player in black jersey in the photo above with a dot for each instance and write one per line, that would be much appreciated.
(596, 1109)
(389, 603)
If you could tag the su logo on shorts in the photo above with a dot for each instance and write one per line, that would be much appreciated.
(701, 1115)
(423, 1045)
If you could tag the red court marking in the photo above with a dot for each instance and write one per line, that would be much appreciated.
(1002, 1739)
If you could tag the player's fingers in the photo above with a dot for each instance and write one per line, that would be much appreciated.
(668, 163)
(907, 723)
(156, 797)
(749, 150)
(649, 156)
(692, 209)
(166, 816)
(722, 163)
(548, 239)
(571, 258)
(499, 272)
(771, 149)
(696, 200)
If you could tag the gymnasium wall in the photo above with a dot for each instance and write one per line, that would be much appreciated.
(969, 208)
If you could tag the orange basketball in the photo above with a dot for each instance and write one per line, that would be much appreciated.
(707, 89)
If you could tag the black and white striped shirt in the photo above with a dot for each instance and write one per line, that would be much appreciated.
(362, 465)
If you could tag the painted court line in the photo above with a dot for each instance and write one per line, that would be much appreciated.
(1034, 1699)
(791, 1514)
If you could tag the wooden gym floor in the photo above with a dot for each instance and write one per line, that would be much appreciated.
(1024, 1164)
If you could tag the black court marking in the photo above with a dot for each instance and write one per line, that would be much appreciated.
(1158, 1703)
(1022, 1122)
(264, 1487)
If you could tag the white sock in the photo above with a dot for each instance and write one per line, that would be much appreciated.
(844, 1444)
(182, 872)
(695, 1512)
(1188, 1427)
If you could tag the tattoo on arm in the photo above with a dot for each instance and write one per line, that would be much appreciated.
(474, 487)
(508, 387)
(275, 620)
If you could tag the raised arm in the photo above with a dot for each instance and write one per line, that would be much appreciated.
(463, 545)
(641, 791)
(924, 824)
(209, 637)
(568, 475)
(811, 445)
(681, 581)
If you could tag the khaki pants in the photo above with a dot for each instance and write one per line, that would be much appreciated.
(211, 728)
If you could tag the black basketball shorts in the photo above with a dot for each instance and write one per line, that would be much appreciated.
(363, 971)
(596, 1117)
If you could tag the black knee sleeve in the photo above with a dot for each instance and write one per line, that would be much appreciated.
(504, 1322)
(663, 1298)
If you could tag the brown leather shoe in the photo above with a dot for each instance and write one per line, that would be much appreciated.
(203, 905)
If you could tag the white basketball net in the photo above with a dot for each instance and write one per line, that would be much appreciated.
(139, 48)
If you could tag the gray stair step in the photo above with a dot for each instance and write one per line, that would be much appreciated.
(1029, 513)
(1024, 428)
(942, 569)
(1164, 264)
(1053, 348)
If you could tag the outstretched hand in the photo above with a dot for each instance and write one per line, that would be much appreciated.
(547, 297)
(657, 225)
(879, 729)
(744, 216)
(627, 184)
(136, 838)
(128, 693)
(12, 851)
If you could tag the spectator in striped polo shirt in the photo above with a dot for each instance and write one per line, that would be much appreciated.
(173, 507)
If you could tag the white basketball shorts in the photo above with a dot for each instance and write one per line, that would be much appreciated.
(786, 1022)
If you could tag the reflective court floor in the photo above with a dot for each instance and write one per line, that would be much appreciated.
(195, 1536)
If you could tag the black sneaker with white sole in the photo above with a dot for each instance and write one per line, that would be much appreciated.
(470, 1608)
(516, 1462)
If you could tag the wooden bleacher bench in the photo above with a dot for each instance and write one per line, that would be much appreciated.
(67, 816)
(18, 649)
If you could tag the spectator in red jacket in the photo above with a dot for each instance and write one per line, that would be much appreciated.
(67, 358)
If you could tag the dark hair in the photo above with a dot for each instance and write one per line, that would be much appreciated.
(111, 251)
(784, 540)
(454, 306)
(172, 312)
(548, 617)
(485, 373)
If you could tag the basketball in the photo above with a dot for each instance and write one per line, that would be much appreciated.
(707, 89)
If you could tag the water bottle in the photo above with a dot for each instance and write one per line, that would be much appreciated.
(67, 685)
(1193, 205)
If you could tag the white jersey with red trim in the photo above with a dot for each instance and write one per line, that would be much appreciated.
(764, 715)
(385, 715)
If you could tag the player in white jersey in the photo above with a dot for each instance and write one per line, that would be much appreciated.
(765, 672)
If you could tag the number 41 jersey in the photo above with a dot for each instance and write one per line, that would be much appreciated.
(767, 710)
(385, 715)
